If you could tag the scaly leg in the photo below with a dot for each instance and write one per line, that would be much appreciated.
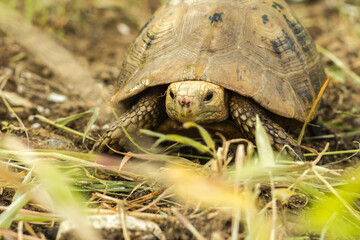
(244, 110)
(147, 113)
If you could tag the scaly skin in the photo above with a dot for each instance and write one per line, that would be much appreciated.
(244, 110)
(147, 113)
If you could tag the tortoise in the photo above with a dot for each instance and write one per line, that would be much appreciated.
(215, 60)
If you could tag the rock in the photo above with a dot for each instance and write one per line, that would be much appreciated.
(110, 227)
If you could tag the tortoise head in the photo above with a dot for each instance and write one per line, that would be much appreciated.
(196, 101)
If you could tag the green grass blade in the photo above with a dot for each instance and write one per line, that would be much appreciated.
(8, 216)
(26, 180)
(95, 114)
(205, 135)
(50, 122)
(176, 138)
(66, 120)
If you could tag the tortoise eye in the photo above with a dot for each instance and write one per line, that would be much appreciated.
(172, 94)
(208, 96)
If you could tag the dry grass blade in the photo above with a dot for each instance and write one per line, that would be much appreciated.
(189, 226)
(312, 111)
(160, 197)
(147, 197)
(14, 113)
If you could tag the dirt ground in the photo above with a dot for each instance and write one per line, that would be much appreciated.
(100, 42)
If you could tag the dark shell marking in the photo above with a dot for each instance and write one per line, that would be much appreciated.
(216, 18)
(265, 18)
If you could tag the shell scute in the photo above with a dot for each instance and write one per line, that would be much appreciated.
(256, 48)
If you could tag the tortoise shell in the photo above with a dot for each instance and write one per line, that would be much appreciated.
(256, 48)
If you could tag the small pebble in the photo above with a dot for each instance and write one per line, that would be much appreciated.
(58, 98)
(54, 143)
(357, 122)
(31, 118)
(94, 127)
(9, 71)
(70, 86)
(21, 89)
(40, 109)
(47, 111)
(106, 126)
(123, 29)
(27, 75)
(36, 126)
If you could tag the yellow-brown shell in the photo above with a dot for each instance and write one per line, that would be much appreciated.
(256, 48)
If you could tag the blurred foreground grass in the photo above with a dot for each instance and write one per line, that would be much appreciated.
(71, 185)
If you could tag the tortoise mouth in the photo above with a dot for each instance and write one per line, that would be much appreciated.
(205, 117)
(197, 114)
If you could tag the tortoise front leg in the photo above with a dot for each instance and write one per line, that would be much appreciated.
(147, 113)
(244, 110)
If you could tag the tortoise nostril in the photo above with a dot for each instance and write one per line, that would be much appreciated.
(185, 101)
(185, 104)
